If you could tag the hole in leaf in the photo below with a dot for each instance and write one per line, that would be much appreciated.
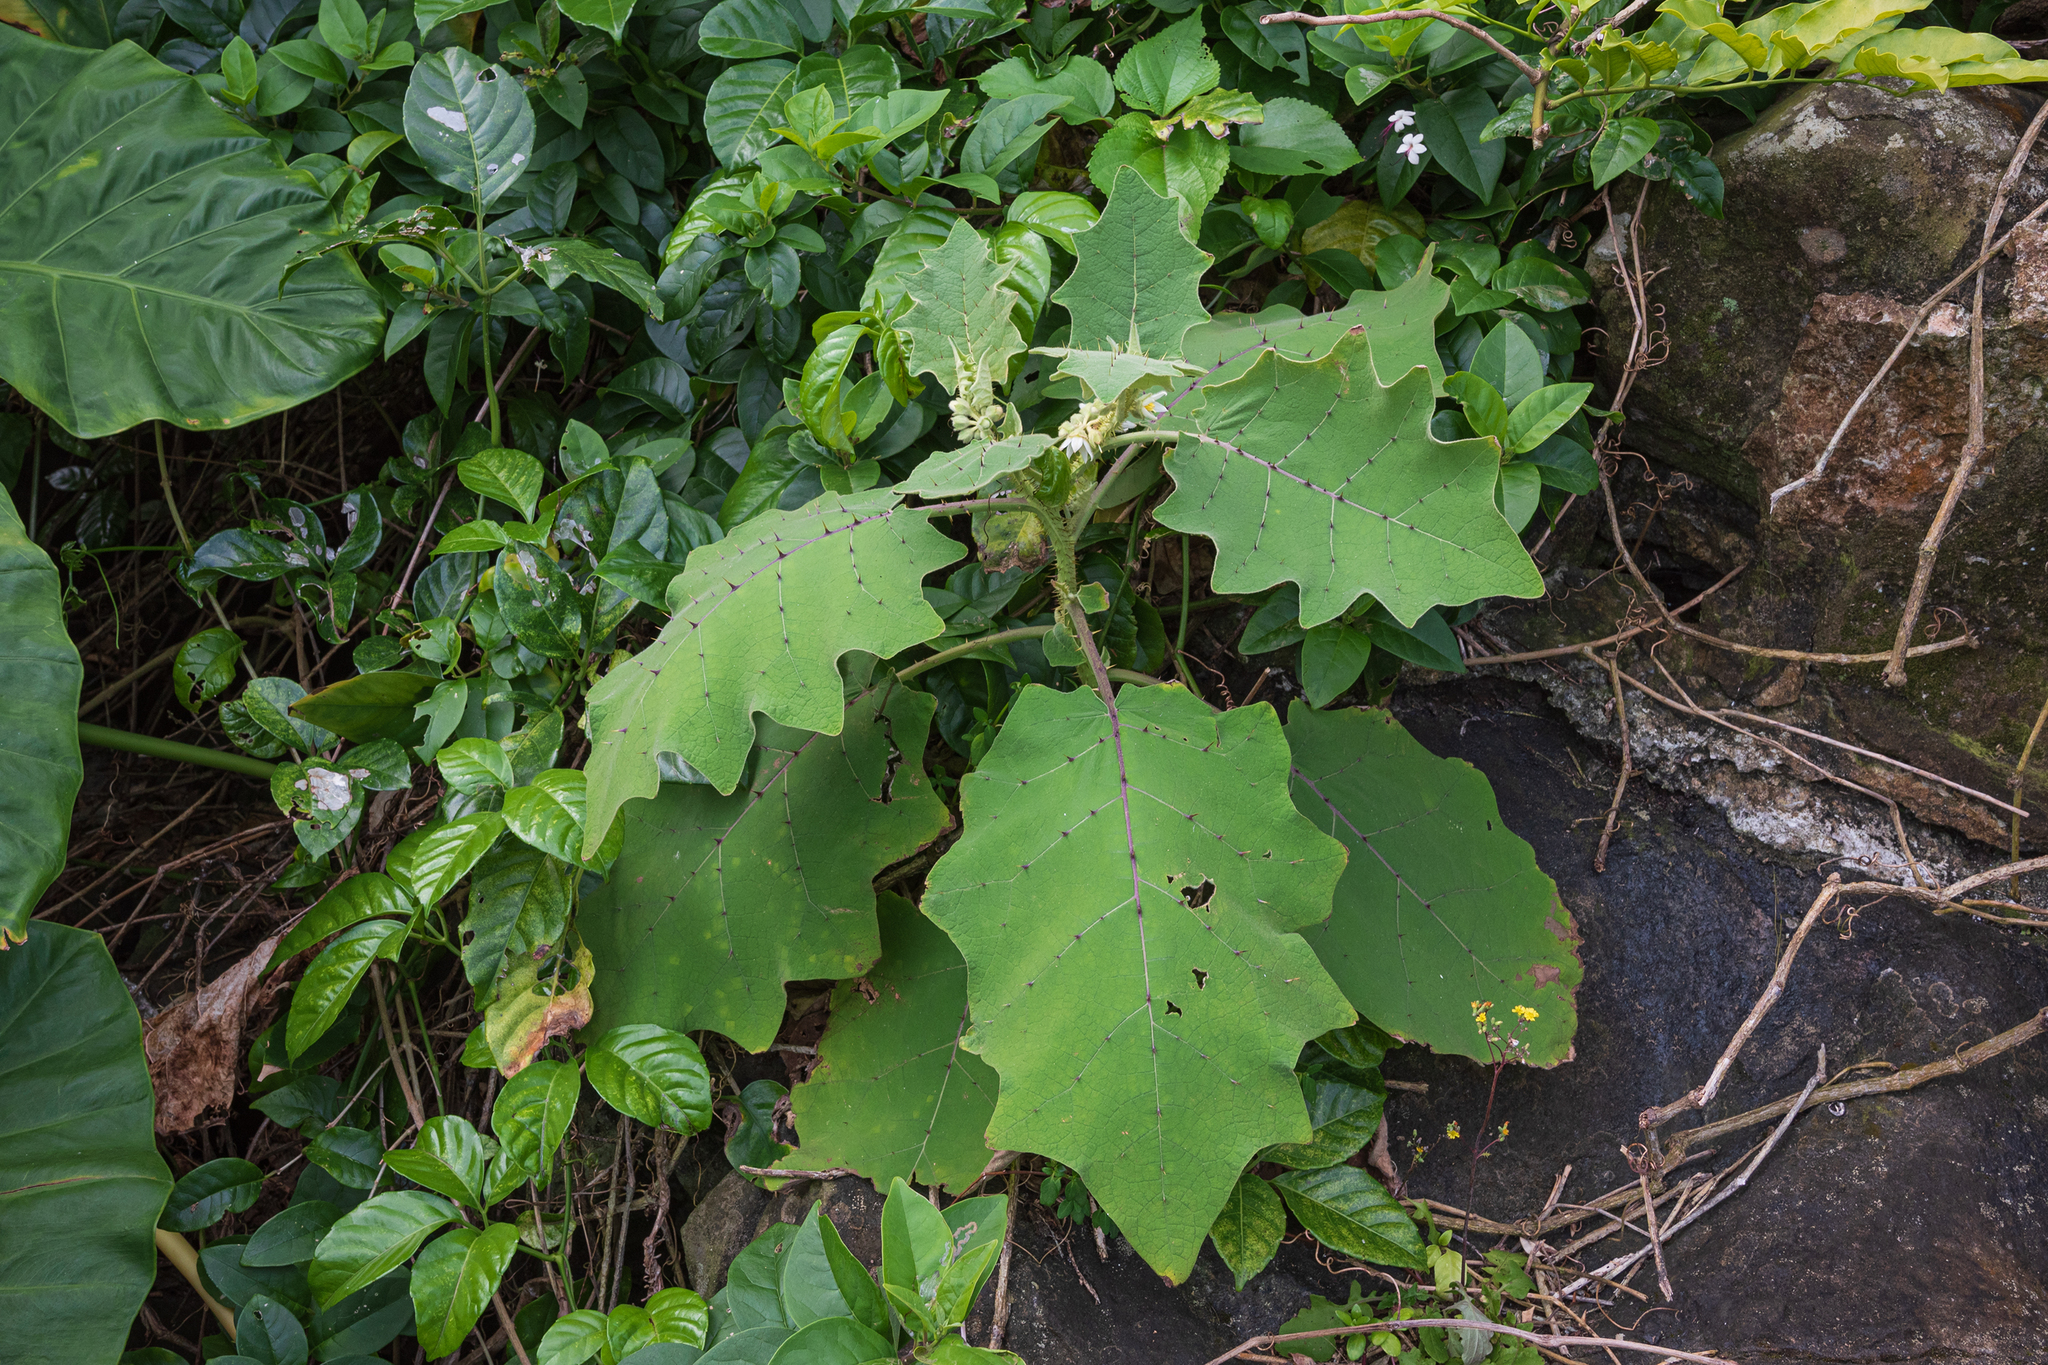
(1201, 979)
(1172, 1008)
(1198, 895)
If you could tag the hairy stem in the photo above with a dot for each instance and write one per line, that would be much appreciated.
(945, 656)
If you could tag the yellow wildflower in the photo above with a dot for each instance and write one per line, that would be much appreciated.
(1525, 1014)
(1451, 1130)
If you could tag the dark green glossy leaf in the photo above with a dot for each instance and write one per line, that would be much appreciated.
(448, 1158)
(1352, 1214)
(653, 1074)
(333, 976)
(540, 602)
(206, 1194)
(429, 862)
(359, 898)
(368, 706)
(372, 1239)
(469, 123)
(533, 1112)
(289, 1237)
(350, 1155)
(453, 1281)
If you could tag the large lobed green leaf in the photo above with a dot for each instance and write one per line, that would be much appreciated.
(40, 674)
(760, 620)
(1135, 275)
(81, 1183)
(716, 901)
(1441, 904)
(143, 231)
(960, 308)
(1152, 1052)
(1315, 474)
(894, 1093)
(1400, 329)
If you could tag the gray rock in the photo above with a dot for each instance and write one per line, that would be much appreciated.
(718, 1229)
(1845, 209)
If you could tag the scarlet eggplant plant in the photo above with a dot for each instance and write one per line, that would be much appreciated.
(884, 342)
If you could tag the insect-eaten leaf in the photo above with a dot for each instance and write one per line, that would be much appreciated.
(716, 901)
(1123, 892)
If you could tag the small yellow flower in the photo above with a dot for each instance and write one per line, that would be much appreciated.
(1525, 1014)
(1503, 1132)
(1451, 1130)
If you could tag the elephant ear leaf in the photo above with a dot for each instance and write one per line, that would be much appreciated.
(160, 297)
(80, 1179)
(40, 671)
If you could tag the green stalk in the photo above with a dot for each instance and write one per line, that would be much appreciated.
(163, 470)
(149, 746)
(948, 655)
(483, 267)
(1180, 639)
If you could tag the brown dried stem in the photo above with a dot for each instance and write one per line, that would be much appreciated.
(1700, 1096)
(1973, 445)
(1396, 15)
(1906, 1078)
(1539, 1339)
(1621, 782)
(1792, 1108)
(2019, 779)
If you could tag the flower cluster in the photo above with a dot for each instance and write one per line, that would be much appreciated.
(1083, 433)
(1411, 144)
(977, 415)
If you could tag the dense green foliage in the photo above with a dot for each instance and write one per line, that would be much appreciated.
(899, 335)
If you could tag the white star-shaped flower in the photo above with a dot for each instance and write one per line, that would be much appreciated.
(1400, 119)
(1412, 148)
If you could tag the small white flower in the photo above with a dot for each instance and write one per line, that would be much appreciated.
(1400, 119)
(1412, 148)
(1151, 408)
(1076, 445)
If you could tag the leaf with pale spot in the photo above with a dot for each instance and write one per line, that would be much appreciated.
(760, 621)
(1314, 474)
(1441, 903)
(716, 901)
(1124, 892)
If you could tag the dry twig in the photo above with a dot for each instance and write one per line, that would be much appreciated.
(1700, 1096)
(1973, 445)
